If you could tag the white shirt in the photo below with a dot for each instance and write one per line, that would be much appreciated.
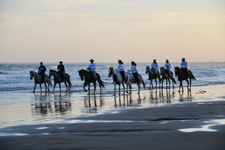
(167, 66)
(120, 67)
(133, 69)
(184, 64)
(92, 67)
(155, 66)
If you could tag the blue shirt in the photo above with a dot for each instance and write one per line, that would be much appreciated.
(92, 67)
(133, 69)
(41, 69)
(155, 66)
(120, 67)
(167, 66)
(184, 64)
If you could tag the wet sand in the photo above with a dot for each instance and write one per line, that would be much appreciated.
(197, 124)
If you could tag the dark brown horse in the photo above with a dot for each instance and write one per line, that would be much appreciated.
(181, 76)
(88, 79)
(58, 79)
(152, 76)
(165, 76)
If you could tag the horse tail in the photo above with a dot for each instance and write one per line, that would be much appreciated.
(100, 82)
(192, 76)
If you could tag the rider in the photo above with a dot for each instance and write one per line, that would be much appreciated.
(41, 71)
(121, 69)
(183, 67)
(155, 67)
(167, 67)
(61, 70)
(91, 68)
(134, 71)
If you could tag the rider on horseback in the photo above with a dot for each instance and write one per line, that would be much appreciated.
(167, 67)
(134, 71)
(61, 70)
(183, 67)
(155, 67)
(121, 69)
(91, 68)
(41, 71)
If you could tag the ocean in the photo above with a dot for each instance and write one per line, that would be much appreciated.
(20, 106)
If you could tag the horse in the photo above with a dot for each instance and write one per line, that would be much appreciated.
(118, 80)
(152, 76)
(88, 79)
(179, 73)
(166, 76)
(38, 80)
(58, 79)
(132, 80)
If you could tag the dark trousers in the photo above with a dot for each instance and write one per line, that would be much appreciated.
(42, 76)
(136, 77)
(185, 72)
(123, 75)
(62, 74)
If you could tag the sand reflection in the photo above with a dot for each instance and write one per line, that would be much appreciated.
(47, 104)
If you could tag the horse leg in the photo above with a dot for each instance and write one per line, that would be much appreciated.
(34, 87)
(180, 86)
(124, 88)
(89, 89)
(114, 89)
(155, 83)
(45, 86)
(139, 87)
(187, 85)
(94, 87)
(66, 86)
(40, 88)
(54, 87)
(190, 85)
(119, 89)
(60, 87)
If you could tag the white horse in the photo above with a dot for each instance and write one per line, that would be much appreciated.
(132, 80)
(38, 80)
(118, 80)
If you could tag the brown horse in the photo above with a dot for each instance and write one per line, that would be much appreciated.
(38, 80)
(181, 76)
(88, 79)
(58, 79)
(152, 76)
(166, 76)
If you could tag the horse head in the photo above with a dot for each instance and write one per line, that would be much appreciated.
(31, 75)
(110, 71)
(51, 72)
(147, 69)
(81, 75)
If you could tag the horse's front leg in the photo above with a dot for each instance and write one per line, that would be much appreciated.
(188, 89)
(114, 89)
(34, 87)
(45, 86)
(119, 89)
(180, 86)
(54, 87)
(156, 83)
(139, 87)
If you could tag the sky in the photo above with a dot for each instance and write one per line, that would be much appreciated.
(76, 31)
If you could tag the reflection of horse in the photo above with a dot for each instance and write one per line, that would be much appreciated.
(167, 77)
(92, 108)
(118, 80)
(38, 80)
(132, 80)
(152, 76)
(88, 79)
(179, 73)
(58, 79)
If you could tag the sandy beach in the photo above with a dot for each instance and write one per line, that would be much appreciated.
(196, 123)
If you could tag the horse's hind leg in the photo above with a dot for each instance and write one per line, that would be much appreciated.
(54, 87)
(40, 87)
(45, 86)
(94, 87)
(139, 87)
(188, 89)
(89, 89)
(67, 88)
(60, 87)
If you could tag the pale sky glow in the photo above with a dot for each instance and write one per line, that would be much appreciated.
(108, 30)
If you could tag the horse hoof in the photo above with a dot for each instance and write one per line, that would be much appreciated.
(85, 90)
